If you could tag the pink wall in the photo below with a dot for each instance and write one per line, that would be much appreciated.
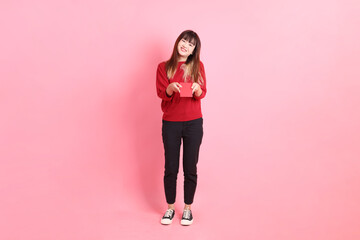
(80, 129)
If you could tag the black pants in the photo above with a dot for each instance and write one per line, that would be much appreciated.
(191, 132)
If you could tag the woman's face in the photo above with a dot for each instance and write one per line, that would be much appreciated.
(185, 48)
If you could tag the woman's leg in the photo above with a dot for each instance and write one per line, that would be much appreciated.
(171, 133)
(192, 137)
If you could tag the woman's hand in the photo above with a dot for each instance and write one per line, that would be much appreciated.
(196, 89)
(173, 87)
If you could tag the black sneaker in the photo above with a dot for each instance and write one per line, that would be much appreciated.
(168, 217)
(187, 218)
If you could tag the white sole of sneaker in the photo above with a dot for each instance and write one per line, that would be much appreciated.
(166, 221)
(186, 222)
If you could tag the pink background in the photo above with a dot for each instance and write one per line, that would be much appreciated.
(80, 130)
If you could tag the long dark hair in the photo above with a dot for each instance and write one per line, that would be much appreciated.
(192, 62)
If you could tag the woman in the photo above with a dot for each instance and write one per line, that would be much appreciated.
(182, 119)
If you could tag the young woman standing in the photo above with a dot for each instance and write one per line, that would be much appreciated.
(182, 119)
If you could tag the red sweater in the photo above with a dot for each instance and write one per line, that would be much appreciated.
(178, 108)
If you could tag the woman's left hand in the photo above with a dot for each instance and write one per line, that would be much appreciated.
(196, 89)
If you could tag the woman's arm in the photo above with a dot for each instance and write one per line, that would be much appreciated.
(162, 83)
(201, 92)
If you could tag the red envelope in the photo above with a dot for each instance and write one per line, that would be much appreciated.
(186, 90)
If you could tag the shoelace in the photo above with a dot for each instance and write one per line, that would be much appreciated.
(168, 213)
(186, 214)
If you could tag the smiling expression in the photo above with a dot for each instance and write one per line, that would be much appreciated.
(185, 48)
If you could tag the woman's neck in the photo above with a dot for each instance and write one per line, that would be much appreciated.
(181, 59)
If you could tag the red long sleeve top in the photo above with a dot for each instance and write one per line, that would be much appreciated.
(176, 108)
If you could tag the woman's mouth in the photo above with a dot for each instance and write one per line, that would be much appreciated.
(183, 49)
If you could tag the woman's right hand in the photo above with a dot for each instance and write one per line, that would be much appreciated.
(173, 87)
